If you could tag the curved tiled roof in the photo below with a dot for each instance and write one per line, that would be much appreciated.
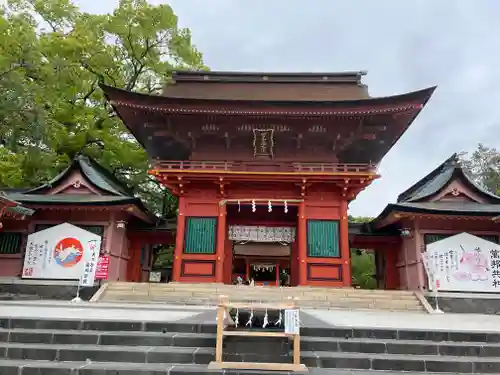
(416, 198)
(99, 176)
(439, 178)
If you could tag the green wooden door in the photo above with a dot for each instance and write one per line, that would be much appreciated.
(10, 242)
(323, 238)
(200, 237)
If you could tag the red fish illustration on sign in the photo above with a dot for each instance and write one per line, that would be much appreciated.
(68, 252)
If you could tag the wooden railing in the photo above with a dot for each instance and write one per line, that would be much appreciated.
(270, 166)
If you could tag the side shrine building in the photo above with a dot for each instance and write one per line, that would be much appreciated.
(444, 203)
(264, 166)
(88, 196)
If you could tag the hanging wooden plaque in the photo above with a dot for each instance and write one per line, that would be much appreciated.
(263, 142)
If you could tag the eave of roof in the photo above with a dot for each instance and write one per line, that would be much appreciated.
(21, 210)
(395, 103)
(445, 208)
(15, 207)
(267, 77)
(74, 199)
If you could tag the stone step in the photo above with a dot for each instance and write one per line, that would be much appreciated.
(271, 289)
(204, 355)
(323, 304)
(138, 327)
(24, 367)
(274, 296)
(256, 294)
(18, 297)
(256, 297)
(228, 286)
(261, 290)
(335, 293)
(308, 297)
(331, 344)
(202, 287)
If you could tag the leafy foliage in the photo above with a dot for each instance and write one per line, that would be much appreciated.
(362, 261)
(52, 59)
(359, 219)
(484, 167)
(163, 256)
(363, 269)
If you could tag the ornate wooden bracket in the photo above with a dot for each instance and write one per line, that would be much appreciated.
(298, 140)
(227, 139)
(222, 186)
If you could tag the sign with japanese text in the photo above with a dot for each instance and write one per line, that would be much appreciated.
(463, 263)
(263, 142)
(292, 321)
(62, 252)
(102, 269)
(430, 270)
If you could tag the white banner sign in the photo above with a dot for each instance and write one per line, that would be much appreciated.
(64, 252)
(463, 263)
(292, 321)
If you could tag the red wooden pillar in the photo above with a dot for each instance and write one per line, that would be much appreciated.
(221, 243)
(228, 261)
(302, 244)
(179, 240)
(391, 270)
(345, 250)
(134, 261)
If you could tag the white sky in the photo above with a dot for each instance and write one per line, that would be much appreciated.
(404, 45)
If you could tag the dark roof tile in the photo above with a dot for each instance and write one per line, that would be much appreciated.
(99, 176)
(82, 199)
(448, 207)
(439, 178)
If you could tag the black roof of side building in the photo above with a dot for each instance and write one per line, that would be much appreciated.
(416, 198)
(114, 192)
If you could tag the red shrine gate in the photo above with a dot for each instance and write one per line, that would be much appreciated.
(241, 240)
(224, 142)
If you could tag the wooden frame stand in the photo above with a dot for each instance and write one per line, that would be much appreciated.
(223, 318)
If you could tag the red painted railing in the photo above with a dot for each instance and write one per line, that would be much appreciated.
(263, 166)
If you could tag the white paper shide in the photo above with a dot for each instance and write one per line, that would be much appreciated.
(63, 252)
(463, 263)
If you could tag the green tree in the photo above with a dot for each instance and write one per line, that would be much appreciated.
(363, 268)
(484, 167)
(163, 256)
(359, 219)
(362, 261)
(52, 59)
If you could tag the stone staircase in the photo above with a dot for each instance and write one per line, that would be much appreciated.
(74, 347)
(307, 297)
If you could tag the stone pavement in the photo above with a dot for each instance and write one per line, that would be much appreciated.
(92, 311)
(199, 314)
(408, 320)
